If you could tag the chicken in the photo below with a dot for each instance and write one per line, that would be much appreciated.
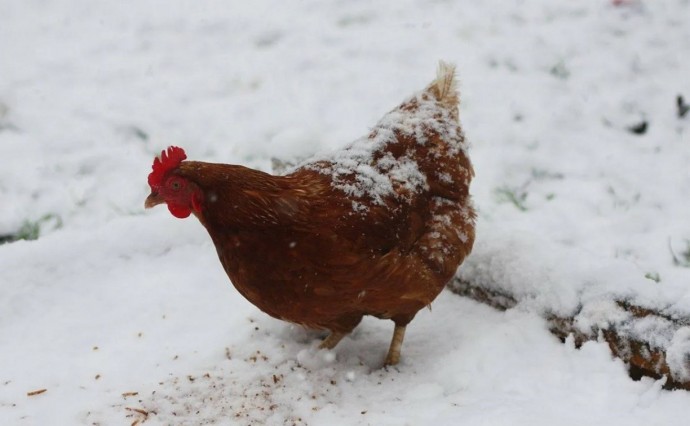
(377, 228)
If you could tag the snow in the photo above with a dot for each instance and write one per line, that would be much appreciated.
(679, 354)
(111, 300)
(366, 169)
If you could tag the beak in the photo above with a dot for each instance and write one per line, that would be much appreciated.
(152, 200)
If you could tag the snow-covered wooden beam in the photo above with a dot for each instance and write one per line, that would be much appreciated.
(652, 343)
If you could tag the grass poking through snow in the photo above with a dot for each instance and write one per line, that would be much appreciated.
(31, 229)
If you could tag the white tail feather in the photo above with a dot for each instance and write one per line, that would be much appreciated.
(445, 80)
(444, 87)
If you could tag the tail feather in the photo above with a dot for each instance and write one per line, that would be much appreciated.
(444, 87)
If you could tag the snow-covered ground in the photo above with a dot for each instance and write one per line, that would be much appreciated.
(111, 301)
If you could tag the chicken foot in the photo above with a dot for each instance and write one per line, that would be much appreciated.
(393, 356)
(332, 340)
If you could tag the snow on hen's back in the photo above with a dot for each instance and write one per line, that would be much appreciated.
(394, 159)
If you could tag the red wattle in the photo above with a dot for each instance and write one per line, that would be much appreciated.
(179, 211)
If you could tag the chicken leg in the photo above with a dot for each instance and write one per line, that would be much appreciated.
(332, 340)
(393, 356)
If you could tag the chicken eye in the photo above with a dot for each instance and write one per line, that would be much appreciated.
(176, 185)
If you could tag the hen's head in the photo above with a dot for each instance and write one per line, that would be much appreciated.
(180, 194)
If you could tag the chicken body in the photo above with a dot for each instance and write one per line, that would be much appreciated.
(377, 228)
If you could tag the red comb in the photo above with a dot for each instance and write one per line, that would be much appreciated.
(168, 160)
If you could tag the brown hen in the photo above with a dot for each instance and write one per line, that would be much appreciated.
(377, 228)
